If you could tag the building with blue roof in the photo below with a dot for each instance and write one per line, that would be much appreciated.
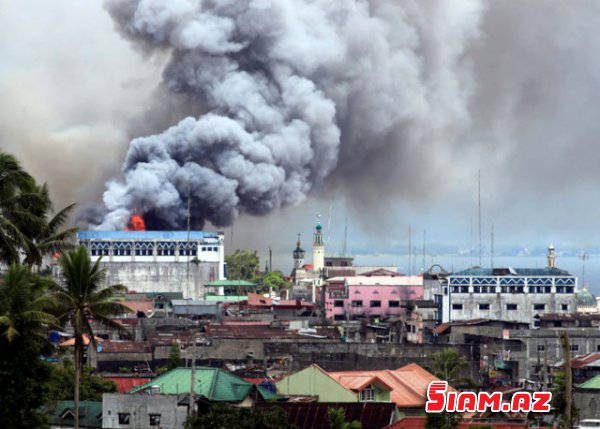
(506, 293)
(158, 261)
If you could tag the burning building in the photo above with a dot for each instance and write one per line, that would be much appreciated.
(158, 261)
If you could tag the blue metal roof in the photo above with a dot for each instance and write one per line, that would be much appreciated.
(145, 235)
(527, 272)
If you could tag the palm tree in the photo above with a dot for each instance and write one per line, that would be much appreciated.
(50, 238)
(25, 320)
(24, 308)
(13, 180)
(82, 298)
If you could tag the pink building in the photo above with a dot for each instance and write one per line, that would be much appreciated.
(370, 296)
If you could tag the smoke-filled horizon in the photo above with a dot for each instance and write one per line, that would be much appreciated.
(289, 88)
(421, 96)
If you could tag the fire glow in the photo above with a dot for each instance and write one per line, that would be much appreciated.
(136, 223)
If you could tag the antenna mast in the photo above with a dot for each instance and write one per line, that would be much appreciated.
(479, 210)
(492, 247)
(424, 235)
(409, 251)
(344, 248)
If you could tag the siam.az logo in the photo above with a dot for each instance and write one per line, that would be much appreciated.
(440, 399)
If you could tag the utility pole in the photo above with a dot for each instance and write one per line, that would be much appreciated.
(568, 377)
(192, 407)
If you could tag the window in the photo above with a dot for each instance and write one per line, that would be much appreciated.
(393, 304)
(560, 289)
(464, 289)
(564, 307)
(569, 289)
(339, 317)
(154, 419)
(123, 418)
(338, 303)
(539, 306)
(574, 347)
(541, 348)
(456, 306)
(357, 303)
(375, 304)
(476, 289)
(503, 289)
(367, 394)
(598, 348)
(511, 307)
(484, 306)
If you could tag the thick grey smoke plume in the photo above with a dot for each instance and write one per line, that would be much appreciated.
(288, 87)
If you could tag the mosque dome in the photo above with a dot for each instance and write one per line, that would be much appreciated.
(585, 298)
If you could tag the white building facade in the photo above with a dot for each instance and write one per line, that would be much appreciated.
(158, 261)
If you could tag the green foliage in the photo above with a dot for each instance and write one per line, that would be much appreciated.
(337, 420)
(61, 384)
(221, 416)
(24, 325)
(242, 265)
(174, 357)
(83, 296)
(449, 365)
(26, 222)
(559, 403)
(273, 280)
(443, 420)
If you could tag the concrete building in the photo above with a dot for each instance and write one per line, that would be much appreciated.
(142, 411)
(510, 294)
(166, 261)
(370, 296)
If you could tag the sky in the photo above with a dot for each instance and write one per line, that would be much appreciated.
(440, 92)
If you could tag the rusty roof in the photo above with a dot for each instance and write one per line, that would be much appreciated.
(124, 346)
(263, 332)
(315, 415)
(125, 384)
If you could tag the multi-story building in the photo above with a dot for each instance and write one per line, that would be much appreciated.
(510, 294)
(158, 261)
(370, 296)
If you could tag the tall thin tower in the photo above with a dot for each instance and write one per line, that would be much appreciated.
(479, 210)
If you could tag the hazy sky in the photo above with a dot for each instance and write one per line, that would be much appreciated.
(511, 88)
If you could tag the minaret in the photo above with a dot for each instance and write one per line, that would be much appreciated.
(551, 256)
(298, 255)
(318, 249)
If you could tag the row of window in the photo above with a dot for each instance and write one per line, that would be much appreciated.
(511, 307)
(573, 347)
(372, 304)
(513, 289)
(125, 419)
(149, 252)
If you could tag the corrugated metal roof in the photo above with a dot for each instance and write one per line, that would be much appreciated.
(145, 235)
(218, 283)
(124, 346)
(125, 384)
(263, 332)
(90, 414)
(315, 415)
(212, 383)
(408, 384)
(592, 384)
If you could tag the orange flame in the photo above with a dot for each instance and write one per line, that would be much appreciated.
(136, 223)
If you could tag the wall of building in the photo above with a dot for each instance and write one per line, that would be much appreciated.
(313, 382)
(162, 276)
(139, 408)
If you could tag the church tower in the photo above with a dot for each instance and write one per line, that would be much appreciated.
(318, 249)
(298, 255)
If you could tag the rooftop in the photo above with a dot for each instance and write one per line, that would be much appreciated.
(212, 383)
(219, 283)
(591, 384)
(145, 235)
(509, 271)
(408, 383)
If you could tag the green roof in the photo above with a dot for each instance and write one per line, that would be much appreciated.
(90, 414)
(592, 383)
(212, 383)
(219, 283)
